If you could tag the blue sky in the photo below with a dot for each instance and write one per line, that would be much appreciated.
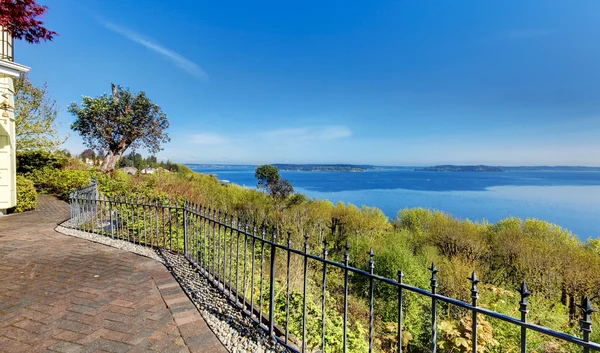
(378, 82)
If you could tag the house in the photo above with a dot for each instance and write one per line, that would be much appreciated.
(8, 71)
(130, 170)
(149, 171)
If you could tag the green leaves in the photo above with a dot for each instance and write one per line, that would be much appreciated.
(30, 161)
(267, 176)
(26, 195)
(35, 117)
(270, 181)
(118, 122)
(60, 182)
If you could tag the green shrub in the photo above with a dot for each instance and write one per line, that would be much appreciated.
(181, 168)
(60, 182)
(30, 161)
(26, 195)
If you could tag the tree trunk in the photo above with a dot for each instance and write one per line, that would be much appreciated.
(111, 161)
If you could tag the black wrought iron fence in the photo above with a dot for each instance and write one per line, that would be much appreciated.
(250, 262)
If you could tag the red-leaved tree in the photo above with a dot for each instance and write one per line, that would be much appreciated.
(20, 18)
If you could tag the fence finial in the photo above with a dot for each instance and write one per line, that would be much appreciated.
(474, 281)
(306, 242)
(371, 262)
(347, 254)
(524, 291)
(585, 323)
(434, 272)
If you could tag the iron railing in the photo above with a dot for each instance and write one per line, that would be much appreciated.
(232, 252)
(6, 45)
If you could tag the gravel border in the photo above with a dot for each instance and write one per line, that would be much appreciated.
(115, 243)
(233, 327)
(237, 332)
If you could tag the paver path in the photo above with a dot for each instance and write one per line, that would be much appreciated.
(64, 294)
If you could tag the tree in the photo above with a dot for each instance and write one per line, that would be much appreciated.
(270, 181)
(138, 160)
(117, 122)
(151, 161)
(35, 117)
(19, 17)
(88, 154)
(267, 176)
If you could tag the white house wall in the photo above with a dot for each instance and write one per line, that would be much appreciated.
(8, 187)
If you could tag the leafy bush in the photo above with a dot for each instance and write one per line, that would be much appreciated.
(30, 161)
(26, 195)
(180, 168)
(455, 335)
(60, 182)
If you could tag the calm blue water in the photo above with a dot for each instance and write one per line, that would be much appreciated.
(569, 199)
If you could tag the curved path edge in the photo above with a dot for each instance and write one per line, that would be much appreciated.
(59, 293)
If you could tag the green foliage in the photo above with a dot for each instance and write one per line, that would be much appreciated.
(35, 117)
(456, 335)
(270, 181)
(26, 195)
(30, 161)
(333, 325)
(137, 161)
(118, 122)
(266, 175)
(60, 182)
(180, 168)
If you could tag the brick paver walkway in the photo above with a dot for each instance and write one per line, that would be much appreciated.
(65, 294)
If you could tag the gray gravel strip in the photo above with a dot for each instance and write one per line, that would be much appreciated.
(238, 333)
(115, 243)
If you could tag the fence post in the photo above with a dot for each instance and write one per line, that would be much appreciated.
(400, 299)
(272, 284)
(371, 299)
(185, 230)
(346, 262)
(434, 285)
(523, 309)
(474, 296)
(110, 215)
(287, 280)
(324, 295)
(586, 321)
(304, 293)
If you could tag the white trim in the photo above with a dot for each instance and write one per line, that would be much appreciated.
(9, 68)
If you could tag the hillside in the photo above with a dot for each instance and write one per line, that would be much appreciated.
(460, 168)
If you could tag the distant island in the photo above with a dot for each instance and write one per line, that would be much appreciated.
(460, 168)
(324, 167)
(494, 169)
(368, 167)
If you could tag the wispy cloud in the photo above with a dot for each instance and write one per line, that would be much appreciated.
(209, 139)
(527, 33)
(257, 145)
(182, 62)
(310, 133)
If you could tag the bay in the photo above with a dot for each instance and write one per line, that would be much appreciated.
(568, 199)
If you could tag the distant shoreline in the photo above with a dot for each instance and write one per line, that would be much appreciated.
(461, 168)
(365, 167)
